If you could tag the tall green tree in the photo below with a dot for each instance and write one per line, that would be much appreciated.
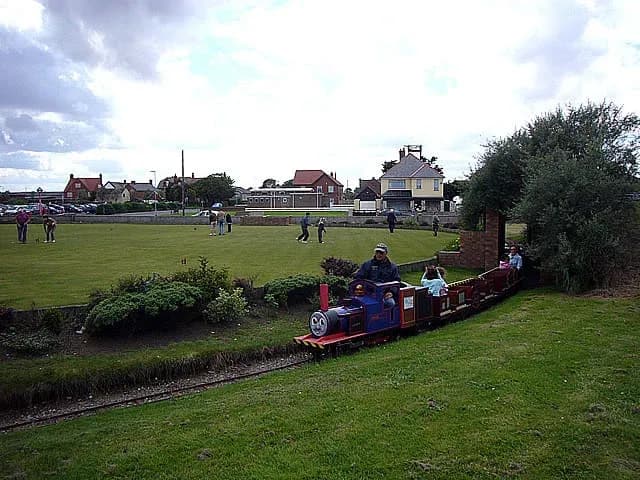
(217, 187)
(567, 175)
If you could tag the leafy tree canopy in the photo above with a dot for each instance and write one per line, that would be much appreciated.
(288, 183)
(214, 188)
(566, 175)
(269, 183)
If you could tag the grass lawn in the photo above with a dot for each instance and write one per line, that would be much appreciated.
(543, 386)
(90, 256)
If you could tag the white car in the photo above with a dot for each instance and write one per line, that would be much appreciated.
(204, 213)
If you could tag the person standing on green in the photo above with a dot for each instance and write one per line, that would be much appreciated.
(304, 225)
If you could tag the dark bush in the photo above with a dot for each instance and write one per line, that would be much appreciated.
(338, 266)
(300, 288)
(52, 320)
(7, 316)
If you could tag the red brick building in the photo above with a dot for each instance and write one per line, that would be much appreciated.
(82, 188)
(320, 182)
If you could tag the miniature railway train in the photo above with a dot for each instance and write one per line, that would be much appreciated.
(361, 318)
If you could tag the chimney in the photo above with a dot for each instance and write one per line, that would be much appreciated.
(124, 181)
(151, 181)
(71, 176)
(133, 182)
(192, 175)
(401, 152)
(100, 176)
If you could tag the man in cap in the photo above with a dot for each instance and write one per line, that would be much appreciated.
(379, 269)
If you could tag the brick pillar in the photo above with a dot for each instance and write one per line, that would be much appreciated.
(492, 248)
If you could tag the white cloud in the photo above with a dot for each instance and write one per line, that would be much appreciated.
(260, 90)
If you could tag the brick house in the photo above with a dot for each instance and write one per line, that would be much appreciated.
(320, 182)
(142, 191)
(82, 188)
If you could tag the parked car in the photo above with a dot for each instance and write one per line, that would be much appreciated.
(204, 213)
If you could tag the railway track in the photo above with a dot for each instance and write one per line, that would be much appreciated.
(46, 415)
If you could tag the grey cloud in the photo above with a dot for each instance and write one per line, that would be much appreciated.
(19, 161)
(558, 51)
(36, 80)
(132, 33)
(20, 123)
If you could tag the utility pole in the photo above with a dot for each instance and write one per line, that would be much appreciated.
(182, 183)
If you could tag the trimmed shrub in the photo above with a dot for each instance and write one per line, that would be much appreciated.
(229, 306)
(338, 266)
(453, 245)
(105, 209)
(162, 304)
(300, 288)
(207, 279)
(7, 316)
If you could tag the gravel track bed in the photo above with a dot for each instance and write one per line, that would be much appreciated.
(70, 408)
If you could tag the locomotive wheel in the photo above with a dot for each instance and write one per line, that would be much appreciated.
(475, 300)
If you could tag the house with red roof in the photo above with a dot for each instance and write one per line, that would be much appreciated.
(82, 189)
(320, 182)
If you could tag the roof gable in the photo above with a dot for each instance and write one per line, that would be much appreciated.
(309, 177)
(412, 167)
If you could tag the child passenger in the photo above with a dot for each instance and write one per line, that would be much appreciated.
(432, 279)
(504, 262)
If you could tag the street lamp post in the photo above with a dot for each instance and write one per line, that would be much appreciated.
(39, 190)
(155, 194)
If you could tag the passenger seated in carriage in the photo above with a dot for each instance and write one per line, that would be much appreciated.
(432, 279)
(515, 260)
(504, 262)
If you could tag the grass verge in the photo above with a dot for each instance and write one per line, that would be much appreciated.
(542, 386)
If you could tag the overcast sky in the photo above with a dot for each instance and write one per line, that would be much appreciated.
(258, 89)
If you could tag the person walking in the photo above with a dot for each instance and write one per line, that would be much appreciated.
(435, 224)
(220, 216)
(229, 220)
(49, 225)
(22, 222)
(304, 225)
(321, 230)
(391, 220)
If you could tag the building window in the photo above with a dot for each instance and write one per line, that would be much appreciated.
(319, 189)
(285, 200)
(76, 185)
(436, 184)
(396, 184)
(419, 183)
(330, 189)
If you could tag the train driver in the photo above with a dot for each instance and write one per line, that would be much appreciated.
(380, 269)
